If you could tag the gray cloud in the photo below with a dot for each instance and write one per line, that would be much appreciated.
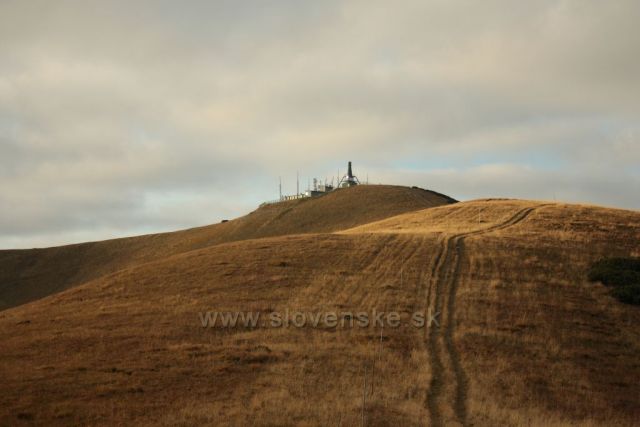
(126, 117)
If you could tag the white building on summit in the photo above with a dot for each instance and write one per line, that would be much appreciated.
(319, 187)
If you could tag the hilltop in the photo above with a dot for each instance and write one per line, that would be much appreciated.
(26, 275)
(523, 337)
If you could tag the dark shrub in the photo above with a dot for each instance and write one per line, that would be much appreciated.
(627, 294)
(619, 264)
(623, 274)
(613, 277)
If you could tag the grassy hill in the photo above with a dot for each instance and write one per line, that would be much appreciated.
(523, 338)
(26, 275)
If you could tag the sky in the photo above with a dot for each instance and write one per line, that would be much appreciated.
(121, 118)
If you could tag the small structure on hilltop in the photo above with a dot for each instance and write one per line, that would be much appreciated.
(319, 187)
(349, 180)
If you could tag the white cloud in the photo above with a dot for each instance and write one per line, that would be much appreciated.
(109, 110)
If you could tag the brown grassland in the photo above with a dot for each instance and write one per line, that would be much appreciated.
(523, 338)
(26, 275)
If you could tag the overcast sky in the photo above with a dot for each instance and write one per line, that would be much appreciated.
(121, 118)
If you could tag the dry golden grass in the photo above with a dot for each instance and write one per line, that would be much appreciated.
(524, 339)
(140, 329)
(26, 275)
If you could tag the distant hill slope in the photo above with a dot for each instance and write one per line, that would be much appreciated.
(26, 275)
(522, 337)
(553, 219)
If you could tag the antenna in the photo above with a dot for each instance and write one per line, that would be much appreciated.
(280, 178)
(348, 180)
(297, 183)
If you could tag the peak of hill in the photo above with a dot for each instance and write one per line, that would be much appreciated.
(26, 275)
(522, 337)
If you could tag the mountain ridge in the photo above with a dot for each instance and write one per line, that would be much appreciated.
(519, 327)
(29, 274)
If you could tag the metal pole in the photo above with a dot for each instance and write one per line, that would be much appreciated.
(364, 396)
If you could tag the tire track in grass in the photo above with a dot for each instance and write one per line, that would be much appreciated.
(445, 277)
(433, 333)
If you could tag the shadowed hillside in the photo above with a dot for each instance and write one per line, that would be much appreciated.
(522, 337)
(26, 275)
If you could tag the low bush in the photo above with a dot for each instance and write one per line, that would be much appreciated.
(623, 274)
(627, 294)
(612, 277)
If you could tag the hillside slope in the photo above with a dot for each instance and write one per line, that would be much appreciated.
(522, 338)
(26, 275)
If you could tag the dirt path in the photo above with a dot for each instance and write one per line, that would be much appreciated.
(443, 286)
